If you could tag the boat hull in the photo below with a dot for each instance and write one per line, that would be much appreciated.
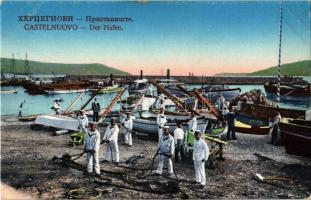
(150, 127)
(228, 94)
(65, 91)
(296, 137)
(300, 96)
(251, 119)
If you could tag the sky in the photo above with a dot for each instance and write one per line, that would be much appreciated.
(204, 38)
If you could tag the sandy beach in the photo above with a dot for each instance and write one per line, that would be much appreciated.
(27, 165)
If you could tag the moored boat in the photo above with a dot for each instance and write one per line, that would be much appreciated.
(298, 94)
(108, 89)
(8, 91)
(62, 91)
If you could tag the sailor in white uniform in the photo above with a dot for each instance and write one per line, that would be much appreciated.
(92, 144)
(111, 138)
(200, 156)
(83, 122)
(165, 151)
(161, 121)
(128, 126)
(193, 123)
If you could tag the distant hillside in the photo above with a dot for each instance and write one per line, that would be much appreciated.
(59, 68)
(301, 68)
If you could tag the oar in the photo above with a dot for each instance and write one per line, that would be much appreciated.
(73, 103)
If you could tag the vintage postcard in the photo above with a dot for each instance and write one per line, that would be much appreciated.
(155, 99)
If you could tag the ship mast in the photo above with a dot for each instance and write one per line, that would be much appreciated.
(279, 61)
(13, 66)
(26, 66)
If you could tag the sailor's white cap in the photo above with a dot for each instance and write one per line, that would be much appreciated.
(166, 127)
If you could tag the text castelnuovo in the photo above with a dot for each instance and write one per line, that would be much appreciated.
(71, 23)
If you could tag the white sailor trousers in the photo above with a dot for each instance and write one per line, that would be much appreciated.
(112, 149)
(93, 161)
(199, 169)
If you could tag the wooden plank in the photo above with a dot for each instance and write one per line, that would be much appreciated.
(218, 141)
(73, 103)
(108, 109)
(90, 99)
(205, 101)
(173, 98)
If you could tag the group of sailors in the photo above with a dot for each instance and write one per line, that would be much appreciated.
(110, 138)
(169, 146)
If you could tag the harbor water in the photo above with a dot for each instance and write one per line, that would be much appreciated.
(41, 104)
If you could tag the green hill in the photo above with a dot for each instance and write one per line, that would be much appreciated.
(301, 68)
(59, 68)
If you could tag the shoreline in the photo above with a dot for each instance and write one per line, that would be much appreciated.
(27, 166)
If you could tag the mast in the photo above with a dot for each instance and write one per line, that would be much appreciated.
(279, 62)
(26, 66)
(13, 66)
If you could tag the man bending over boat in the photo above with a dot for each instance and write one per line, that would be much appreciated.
(96, 110)
(161, 121)
(275, 128)
(111, 138)
(56, 107)
(92, 144)
(165, 151)
(83, 123)
(193, 124)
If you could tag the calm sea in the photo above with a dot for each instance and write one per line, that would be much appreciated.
(41, 104)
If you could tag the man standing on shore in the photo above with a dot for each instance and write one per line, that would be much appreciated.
(178, 141)
(111, 138)
(161, 121)
(92, 144)
(230, 123)
(128, 126)
(166, 151)
(96, 110)
(200, 156)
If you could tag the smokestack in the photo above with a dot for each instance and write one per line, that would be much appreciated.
(168, 73)
(111, 80)
(141, 74)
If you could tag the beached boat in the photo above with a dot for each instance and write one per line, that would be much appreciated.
(298, 94)
(57, 121)
(8, 91)
(150, 127)
(296, 136)
(252, 130)
(252, 119)
(266, 112)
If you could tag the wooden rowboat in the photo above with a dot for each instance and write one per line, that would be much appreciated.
(296, 136)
